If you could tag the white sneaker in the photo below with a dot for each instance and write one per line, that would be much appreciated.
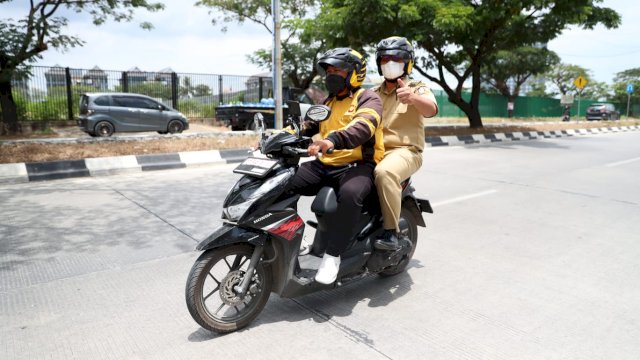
(328, 270)
(305, 247)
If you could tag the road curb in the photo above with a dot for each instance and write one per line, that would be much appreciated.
(518, 136)
(28, 172)
(53, 170)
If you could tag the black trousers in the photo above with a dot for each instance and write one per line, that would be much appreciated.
(352, 184)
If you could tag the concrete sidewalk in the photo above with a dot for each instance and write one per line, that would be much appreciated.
(26, 172)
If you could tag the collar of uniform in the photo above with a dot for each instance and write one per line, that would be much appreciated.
(383, 87)
(349, 94)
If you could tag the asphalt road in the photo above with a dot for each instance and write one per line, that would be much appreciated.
(532, 253)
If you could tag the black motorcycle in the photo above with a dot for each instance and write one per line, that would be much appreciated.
(256, 250)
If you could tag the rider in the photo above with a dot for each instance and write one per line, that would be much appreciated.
(353, 130)
(405, 103)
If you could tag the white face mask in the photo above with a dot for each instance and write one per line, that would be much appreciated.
(392, 70)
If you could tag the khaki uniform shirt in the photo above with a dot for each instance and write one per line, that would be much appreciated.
(402, 123)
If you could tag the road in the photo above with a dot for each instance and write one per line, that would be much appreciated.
(532, 253)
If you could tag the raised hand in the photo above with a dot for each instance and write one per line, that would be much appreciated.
(405, 93)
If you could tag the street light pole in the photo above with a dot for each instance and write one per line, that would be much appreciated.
(277, 64)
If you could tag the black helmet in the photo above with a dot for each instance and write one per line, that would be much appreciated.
(396, 46)
(346, 59)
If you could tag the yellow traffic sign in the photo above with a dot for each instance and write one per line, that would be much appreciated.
(580, 82)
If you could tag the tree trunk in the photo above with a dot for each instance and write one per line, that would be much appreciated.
(475, 120)
(473, 114)
(9, 117)
(455, 96)
(511, 104)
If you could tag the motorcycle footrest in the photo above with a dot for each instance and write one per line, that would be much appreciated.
(306, 276)
(313, 224)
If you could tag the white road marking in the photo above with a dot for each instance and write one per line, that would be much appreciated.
(463, 198)
(623, 162)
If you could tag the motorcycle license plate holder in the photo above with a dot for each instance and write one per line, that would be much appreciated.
(255, 166)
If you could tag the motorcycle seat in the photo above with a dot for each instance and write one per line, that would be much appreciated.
(325, 202)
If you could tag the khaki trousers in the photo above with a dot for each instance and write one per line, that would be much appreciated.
(396, 166)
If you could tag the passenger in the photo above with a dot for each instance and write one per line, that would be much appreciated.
(405, 103)
(353, 130)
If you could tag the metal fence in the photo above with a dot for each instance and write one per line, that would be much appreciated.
(494, 105)
(53, 93)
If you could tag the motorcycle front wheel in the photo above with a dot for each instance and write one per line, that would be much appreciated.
(210, 294)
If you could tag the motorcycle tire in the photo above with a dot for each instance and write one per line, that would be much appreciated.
(408, 227)
(210, 285)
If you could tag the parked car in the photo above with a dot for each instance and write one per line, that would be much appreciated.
(102, 114)
(602, 111)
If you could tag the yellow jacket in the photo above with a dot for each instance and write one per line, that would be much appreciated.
(354, 127)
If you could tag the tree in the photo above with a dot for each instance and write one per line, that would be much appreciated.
(596, 90)
(562, 78)
(301, 43)
(23, 41)
(620, 82)
(459, 36)
(201, 90)
(186, 89)
(507, 71)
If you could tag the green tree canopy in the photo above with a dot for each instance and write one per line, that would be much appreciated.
(460, 37)
(562, 77)
(507, 71)
(22, 41)
(300, 41)
(620, 82)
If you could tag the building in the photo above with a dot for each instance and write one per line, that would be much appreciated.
(96, 78)
(56, 77)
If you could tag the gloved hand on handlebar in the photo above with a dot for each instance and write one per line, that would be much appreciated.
(320, 146)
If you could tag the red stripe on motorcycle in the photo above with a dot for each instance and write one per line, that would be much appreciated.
(288, 229)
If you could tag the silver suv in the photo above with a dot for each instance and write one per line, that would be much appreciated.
(102, 114)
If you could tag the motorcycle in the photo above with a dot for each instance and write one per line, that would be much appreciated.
(256, 251)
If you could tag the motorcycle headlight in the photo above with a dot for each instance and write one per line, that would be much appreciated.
(245, 198)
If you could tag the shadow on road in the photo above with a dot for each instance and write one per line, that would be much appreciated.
(330, 305)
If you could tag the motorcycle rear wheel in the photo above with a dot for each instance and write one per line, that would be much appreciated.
(210, 297)
(409, 228)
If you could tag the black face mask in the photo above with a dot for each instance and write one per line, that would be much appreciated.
(335, 83)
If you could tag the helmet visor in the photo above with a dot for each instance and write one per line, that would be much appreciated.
(386, 58)
(325, 63)
(393, 55)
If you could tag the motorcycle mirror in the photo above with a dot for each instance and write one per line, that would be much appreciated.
(318, 113)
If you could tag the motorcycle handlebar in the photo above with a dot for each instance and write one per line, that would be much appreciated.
(302, 152)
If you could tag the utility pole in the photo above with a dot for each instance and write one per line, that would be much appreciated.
(629, 91)
(277, 64)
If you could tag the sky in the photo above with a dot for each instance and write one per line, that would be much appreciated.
(185, 40)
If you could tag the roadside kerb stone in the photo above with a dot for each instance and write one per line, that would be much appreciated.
(13, 173)
(21, 172)
(112, 165)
